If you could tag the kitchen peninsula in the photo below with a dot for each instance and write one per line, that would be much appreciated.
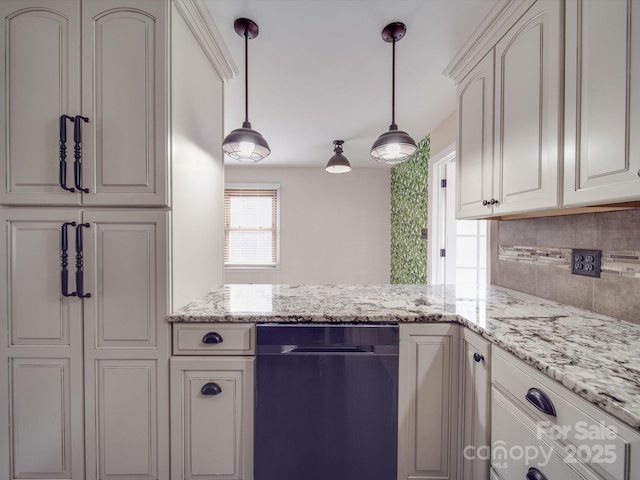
(592, 355)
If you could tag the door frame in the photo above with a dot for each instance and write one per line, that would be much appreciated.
(436, 206)
(436, 212)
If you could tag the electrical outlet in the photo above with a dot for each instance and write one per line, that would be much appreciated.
(586, 262)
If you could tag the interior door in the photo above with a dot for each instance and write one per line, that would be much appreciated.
(39, 81)
(41, 351)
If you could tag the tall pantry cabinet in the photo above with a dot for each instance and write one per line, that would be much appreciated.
(89, 275)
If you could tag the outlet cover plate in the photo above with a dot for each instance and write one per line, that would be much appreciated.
(586, 262)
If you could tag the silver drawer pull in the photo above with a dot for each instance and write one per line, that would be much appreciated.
(539, 399)
(212, 337)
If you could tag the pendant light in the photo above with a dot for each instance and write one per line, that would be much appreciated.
(338, 163)
(245, 144)
(394, 146)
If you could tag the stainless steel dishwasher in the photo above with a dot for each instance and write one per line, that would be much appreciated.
(326, 402)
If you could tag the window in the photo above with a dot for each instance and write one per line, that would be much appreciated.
(251, 226)
(471, 252)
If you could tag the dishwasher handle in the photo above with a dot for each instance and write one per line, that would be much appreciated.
(339, 349)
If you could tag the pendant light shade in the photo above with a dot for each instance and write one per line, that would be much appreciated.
(245, 144)
(338, 163)
(394, 146)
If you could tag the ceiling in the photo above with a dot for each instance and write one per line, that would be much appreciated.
(319, 71)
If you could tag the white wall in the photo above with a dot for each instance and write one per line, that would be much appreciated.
(335, 229)
(198, 171)
(443, 135)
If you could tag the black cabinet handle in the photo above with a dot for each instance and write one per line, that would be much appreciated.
(77, 152)
(212, 337)
(493, 201)
(63, 153)
(64, 260)
(79, 260)
(541, 401)
(485, 203)
(477, 357)
(211, 389)
(535, 474)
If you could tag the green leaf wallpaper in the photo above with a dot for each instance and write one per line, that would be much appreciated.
(409, 216)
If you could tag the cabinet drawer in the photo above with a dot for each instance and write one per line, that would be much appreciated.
(517, 448)
(214, 339)
(590, 435)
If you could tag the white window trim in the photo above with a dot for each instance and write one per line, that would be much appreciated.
(259, 186)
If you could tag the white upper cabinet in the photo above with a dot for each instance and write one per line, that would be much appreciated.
(40, 80)
(527, 112)
(475, 140)
(602, 147)
(123, 94)
(121, 72)
(509, 119)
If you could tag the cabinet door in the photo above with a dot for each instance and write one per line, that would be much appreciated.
(124, 72)
(40, 351)
(475, 395)
(602, 102)
(212, 429)
(528, 72)
(126, 344)
(475, 141)
(427, 401)
(39, 81)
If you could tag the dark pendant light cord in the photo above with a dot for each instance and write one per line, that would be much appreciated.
(393, 83)
(246, 76)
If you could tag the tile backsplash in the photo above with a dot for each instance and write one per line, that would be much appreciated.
(533, 256)
(614, 262)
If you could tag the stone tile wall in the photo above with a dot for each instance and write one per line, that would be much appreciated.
(533, 256)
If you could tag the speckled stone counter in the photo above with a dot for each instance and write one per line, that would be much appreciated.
(595, 356)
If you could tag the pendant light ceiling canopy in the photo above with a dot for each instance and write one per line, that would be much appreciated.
(245, 144)
(394, 146)
(338, 163)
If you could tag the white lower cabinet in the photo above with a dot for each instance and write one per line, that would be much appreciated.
(212, 418)
(427, 401)
(537, 423)
(520, 452)
(475, 406)
(83, 381)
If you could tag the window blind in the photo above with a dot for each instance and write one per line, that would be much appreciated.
(250, 226)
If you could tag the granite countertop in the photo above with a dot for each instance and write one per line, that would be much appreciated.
(595, 356)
